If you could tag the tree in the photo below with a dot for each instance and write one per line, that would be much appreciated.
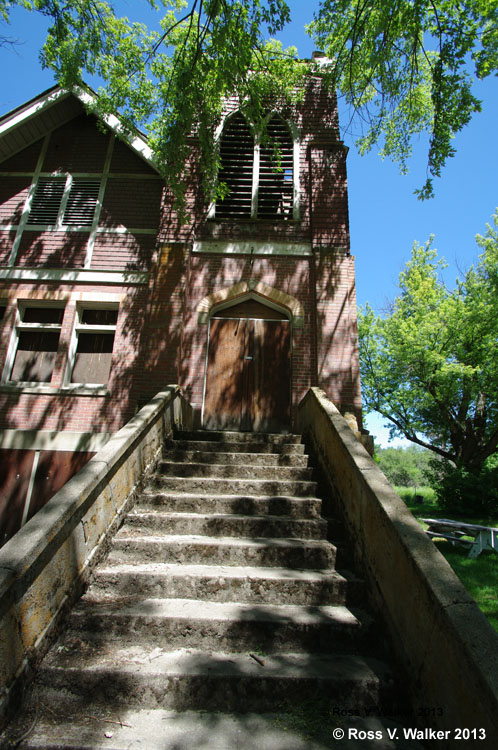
(408, 67)
(405, 467)
(405, 66)
(173, 79)
(430, 364)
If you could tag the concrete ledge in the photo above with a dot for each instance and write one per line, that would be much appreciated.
(445, 647)
(44, 566)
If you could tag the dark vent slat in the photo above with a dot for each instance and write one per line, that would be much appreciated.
(82, 201)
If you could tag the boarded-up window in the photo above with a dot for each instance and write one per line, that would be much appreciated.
(95, 331)
(37, 333)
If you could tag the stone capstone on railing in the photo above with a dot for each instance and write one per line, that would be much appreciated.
(444, 645)
(44, 567)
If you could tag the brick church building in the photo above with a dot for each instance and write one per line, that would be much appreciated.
(105, 297)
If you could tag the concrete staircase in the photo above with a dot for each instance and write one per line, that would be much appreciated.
(218, 619)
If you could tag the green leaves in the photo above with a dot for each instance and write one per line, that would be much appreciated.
(407, 67)
(173, 77)
(430, 364)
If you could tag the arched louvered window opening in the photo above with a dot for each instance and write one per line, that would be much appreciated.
(276, 182)
(259, 176)
(236, 172)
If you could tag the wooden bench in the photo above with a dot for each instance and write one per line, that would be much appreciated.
(482, 537)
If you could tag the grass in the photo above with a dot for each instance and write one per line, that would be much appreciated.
(480, 576)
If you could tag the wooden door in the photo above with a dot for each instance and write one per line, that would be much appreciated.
(248, 374)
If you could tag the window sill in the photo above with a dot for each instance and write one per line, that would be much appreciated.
(44, 389)
(251, 221)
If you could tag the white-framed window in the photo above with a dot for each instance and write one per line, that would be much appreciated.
(34, 343)
(90, 354)
(261, 177)
(63, 202)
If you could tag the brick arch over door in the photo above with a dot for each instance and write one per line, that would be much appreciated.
(248, 366)
(253, 288)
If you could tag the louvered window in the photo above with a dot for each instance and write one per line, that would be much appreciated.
(237, 157)
(47, 201)
(76, 198)
(276, 186)
(259, 178)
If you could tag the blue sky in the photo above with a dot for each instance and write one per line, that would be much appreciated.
(385, 216)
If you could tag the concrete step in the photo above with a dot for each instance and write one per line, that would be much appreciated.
(309, 727)
(227, 446)
(142, 522)
(230, 626)
(277, 505)
(228, 471)
(221, 583)
(189, 679)
(219, 486)
(229, 436)
(209, 550)
(235, 459)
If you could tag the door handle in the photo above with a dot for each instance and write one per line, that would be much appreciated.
(247, 357)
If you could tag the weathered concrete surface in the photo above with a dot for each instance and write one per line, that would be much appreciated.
(223, 583)
(177, 621)
(278, 505)
(444, 644)
(209, 681)
(192, 730)
(293, 553)
(148, 522)
(219, 626)
(44, 565)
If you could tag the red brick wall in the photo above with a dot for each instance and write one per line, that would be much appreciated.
(161, 342)
(208, 274)
(332, 365)
(52, 249)
(159, 339)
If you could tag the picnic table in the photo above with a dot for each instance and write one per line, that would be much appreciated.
(457, 532)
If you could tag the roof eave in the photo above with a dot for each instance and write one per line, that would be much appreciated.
(87, 97)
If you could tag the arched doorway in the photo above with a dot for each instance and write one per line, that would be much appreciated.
(248, 369)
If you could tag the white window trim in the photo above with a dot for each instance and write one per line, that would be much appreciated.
(19, 327)
(100, 200)
(296, 156)
(80, 327)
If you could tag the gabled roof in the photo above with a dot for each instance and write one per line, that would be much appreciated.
(31, 121)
